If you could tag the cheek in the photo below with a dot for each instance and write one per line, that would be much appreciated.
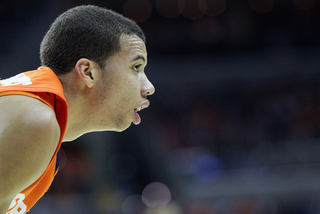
(130, 87)
(121, 93)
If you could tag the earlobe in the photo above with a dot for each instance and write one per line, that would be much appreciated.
(84, 69)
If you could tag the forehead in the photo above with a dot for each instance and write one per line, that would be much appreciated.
(132, 45)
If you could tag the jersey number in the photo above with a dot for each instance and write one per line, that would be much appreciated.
(17, 206)
(16, 80)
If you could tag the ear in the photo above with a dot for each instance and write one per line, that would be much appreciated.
(88, 71)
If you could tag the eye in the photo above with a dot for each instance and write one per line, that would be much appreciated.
(136, 67)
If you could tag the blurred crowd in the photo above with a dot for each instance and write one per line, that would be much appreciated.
(197, 138)
(242, 122)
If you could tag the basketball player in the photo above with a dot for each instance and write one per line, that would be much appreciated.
(91, 79)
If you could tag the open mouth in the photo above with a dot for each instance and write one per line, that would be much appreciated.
(137, 118)
(138, 109)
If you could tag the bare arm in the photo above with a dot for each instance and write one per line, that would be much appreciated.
(29, 134)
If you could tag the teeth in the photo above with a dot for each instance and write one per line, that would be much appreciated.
(139, 108)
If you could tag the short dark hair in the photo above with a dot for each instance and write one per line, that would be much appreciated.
(88, 31)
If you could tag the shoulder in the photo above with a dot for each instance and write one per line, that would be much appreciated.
(29, 119)
(29, 135)
(27, 112)
(29, 123)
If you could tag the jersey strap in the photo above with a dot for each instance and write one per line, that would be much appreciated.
(44, 85)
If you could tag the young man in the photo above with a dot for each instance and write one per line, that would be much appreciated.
(91, 79)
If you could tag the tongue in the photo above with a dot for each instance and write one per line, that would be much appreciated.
(137, 118)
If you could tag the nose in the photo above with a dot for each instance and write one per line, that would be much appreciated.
(147, 89)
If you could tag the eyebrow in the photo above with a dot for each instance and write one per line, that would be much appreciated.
(139, 57)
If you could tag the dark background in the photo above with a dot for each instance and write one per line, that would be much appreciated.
(233, 127)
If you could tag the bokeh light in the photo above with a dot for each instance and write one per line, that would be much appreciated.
(133, 205)
(261, 6)
(304, 4)
(212, 7)
(190, 9)
(155, 194)
(170, 208)
(243, 110)
(168, 8)
(138, 10)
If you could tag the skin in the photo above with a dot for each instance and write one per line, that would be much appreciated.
(99, 99)
(29, 135)
(105, 99)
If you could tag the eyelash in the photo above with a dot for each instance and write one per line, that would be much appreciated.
(136, 67)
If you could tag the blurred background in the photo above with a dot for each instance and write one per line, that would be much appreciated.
(234, 125)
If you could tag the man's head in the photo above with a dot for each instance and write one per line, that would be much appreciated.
(108, 98)
(88, 32)
(100, 58)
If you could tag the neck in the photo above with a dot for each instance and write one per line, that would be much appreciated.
(76, 117)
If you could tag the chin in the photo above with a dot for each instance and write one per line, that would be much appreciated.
(118, 124)
(71, 138)
(122, 128)
(121, 124)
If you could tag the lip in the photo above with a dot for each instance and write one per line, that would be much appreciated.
(143, 105)
(137, 118)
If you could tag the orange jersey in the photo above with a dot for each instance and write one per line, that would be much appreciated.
(42, 84)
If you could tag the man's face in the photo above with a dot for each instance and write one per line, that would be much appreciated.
(124, 85)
